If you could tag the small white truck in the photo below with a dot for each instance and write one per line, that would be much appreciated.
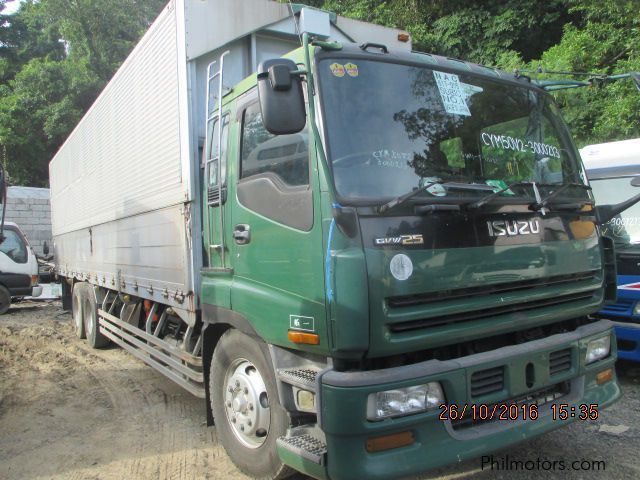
(18, 267)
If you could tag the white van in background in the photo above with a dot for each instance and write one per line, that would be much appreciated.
(18, 267)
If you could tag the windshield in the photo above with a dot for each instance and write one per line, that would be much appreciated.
(623, 228)
(392, 127)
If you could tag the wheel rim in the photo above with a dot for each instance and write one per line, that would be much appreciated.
(88, 324)
(246, 403)
(77, 314)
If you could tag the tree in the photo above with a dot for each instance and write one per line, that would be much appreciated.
(57, 55)
(605, 40)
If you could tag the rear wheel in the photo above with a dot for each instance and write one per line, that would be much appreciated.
(90, 315)
(5, 299)
(76, 310)
(244, 400)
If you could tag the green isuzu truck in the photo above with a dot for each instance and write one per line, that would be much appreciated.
(387, 260)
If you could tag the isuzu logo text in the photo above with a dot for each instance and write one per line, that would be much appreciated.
(400, 240)
(511, 228)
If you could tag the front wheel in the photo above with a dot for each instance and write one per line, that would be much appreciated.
(5, 299)
(244, 400)
(90, 313)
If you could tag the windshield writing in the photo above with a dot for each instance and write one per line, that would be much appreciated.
(391, 127)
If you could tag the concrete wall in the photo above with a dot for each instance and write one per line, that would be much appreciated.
(30, 209)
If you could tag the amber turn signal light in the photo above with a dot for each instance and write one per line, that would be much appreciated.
(304, 337)
(403, 37)
(604, 376)
(388, 442)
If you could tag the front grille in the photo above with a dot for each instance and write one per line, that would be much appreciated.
(559, 361)
(623, 305)
(487, 381)
(502, 288)
(489, 312)
(538, 397)
(626, 345)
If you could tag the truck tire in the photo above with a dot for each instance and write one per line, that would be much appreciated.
(244, 401)
(76, 310)
(90, 314)
(5, 299)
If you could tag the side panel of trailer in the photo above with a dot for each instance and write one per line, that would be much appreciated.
(122, 183)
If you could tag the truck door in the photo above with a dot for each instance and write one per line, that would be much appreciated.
(276, 244)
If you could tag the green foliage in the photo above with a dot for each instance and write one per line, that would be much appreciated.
(57, 55)
(605, 39)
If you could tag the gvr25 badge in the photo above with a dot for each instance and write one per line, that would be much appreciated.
(400, 240)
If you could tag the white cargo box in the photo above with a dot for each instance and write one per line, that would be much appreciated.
(124, 186)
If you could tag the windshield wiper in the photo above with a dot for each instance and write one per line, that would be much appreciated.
(449, 185)
(484, 200)
(540, 204)
(407, 196)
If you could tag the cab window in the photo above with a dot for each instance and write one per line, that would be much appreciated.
(286, 156)
(14, 246)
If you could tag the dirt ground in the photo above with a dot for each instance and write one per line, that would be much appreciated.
(70, 412)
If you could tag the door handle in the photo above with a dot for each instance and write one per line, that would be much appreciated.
(242, 234)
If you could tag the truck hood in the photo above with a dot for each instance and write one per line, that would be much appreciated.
(446, 278)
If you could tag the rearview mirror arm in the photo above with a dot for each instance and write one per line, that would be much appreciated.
(605, 213)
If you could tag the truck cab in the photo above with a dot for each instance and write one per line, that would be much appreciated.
(613, 170)
(18, 267)
(438, 250)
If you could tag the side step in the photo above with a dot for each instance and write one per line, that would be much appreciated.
(304, 378)
(181, 367)
(305, 442)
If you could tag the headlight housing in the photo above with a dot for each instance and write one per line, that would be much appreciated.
(636, 309)
(404, 401)
(598, 349)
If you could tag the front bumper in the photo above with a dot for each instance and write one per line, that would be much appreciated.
(343, 400)
(628, 336)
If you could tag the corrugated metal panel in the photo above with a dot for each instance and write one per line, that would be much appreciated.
(142, 255)
(124, 158)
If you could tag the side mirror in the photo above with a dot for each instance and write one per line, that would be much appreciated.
(281, 98)
(605, 213)
(45, 248)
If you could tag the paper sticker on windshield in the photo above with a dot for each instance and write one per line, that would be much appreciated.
(352, 69)
(499, 185)
(337, 69)
(453, 97)
(436, 189)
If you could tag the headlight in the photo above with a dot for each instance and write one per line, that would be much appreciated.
(404, 401)
(598, 349)
(636, 309)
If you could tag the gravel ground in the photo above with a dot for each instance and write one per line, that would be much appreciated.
(67, 411)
